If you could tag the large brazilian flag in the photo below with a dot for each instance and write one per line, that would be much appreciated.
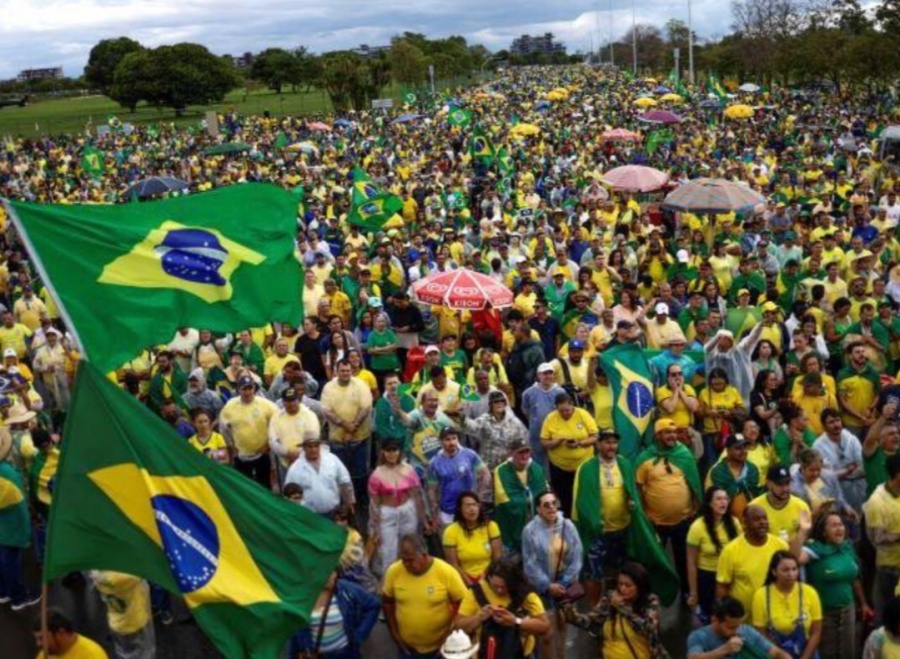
(130, 275)
(631, 381)
(131, 496)
(370, 206)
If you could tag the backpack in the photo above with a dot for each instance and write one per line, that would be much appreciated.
(504, 642)
(580, 400)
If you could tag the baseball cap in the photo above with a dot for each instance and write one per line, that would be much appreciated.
(245, 381)
(743, 291)
(9, 352)
(546, 367)
(664, 424)
(661, 309)
(778, 475)
(770, 306)
(446, 432)
(289, 394)
(496, 397)
(606, 433)
(576, 344)
(735, 441)
(518, 444)
(682, 256)
(431, 349)
(624, 324)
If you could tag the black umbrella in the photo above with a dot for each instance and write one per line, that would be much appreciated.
(153, 186)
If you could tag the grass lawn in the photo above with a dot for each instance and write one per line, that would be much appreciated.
(69, 115)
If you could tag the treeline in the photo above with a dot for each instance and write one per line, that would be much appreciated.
(849, 44)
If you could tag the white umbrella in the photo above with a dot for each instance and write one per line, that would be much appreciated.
(749, 87)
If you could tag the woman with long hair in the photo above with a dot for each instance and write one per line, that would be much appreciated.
(396, 505)
(721, 405)
(764, 401)
(472, 541)
(832, 568)
(503, 611)
(206, 440)
(765, 358)
(626, 619)
(708, 534)
(361, 334)
(337, 350)
(787, 611)
(759, 449)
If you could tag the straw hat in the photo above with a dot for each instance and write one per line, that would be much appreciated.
(19, 414)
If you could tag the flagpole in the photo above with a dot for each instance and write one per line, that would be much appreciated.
(44, 645)
(42, 271)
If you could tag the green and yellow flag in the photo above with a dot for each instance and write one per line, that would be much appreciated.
(631, 382)
(92, 161)
(481, 148)
(370, 206)
(460, 117)
(133, 497)
(505, 163)
(130, 275)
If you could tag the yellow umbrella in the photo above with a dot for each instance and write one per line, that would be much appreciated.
(650, 80)
(525, 129)
(556, 96)
(562, 91)
(645, 102)
(739, 111)
(671, 98)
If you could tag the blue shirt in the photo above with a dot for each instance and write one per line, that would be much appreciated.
(537, 404)
(706, 640)
(454, 475)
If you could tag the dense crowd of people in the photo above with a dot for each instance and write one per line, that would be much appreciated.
(473, 454)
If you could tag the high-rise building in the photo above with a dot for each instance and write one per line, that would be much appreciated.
(526, 45)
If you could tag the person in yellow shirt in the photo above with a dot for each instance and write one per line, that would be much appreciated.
(128, 612)
(784, 602)
(29, 309)
(504, 582)
(744, 562)
(568, 434)
(275, 362)
(784, 511)
(882, 513)
(14, 335)
(677, 400)
(420, 594)
(706, 538)
(206, 440)
(340, 302)
(244, 421)
(61, 640)
(472, 541)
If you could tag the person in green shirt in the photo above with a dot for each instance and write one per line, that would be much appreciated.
(832, 568)
(882, 441)
(694, 311)
(454, 358)
(388, 422)
(872, 332)
(15, 529)
(254, 357)
(382, 348)
(748, 277)
(517, 483)
(168, 382)
(794, 435)
(891, 325)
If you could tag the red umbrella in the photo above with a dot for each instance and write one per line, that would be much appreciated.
(636, 178)
(660, 117)
(318, 125)
(620, 134)
(462, 289)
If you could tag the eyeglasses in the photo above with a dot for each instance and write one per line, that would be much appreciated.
(676, 373)
(550, 504)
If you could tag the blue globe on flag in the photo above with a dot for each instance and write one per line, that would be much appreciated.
(190, 541)
(639, 399)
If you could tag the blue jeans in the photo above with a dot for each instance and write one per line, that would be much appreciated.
(11, 583)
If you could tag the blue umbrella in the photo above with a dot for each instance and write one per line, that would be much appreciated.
(153, 186)
(343, 122)
(542, 105)
(662, 90)
(710, 104)
(406, 118)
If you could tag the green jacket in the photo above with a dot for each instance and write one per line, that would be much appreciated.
(15, 523)
(514, 501)
(177, 386)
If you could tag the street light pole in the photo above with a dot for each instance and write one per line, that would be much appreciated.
(633, 39)
(612, 57)
(690, 46)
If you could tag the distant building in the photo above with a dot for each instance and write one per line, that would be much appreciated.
(526, 45)
(368, 52)
(242, 62)
(26, 75)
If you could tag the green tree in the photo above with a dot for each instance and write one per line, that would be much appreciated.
(104, 58)
(408, 62)
(133, 80)
(887, 13)
(276, 67)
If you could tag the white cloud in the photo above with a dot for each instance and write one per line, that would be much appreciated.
(37, 33)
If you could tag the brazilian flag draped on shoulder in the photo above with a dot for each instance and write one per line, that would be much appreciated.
(481, 148)
(642, 542)
(130, 275)
(631, 381)
(132, 497)
(505, 164)
(370, 206)
(459, 117)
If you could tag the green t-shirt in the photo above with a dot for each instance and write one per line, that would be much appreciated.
(832, 573)
(387, 361)
(875, 468)
(782, 444)
(457, 362)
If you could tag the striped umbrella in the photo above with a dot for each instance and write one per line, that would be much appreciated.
(712, 195)
(636, 178)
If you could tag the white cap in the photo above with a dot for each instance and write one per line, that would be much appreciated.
(9, 352)
(521, 258)
(661, 309)
(432, 349)
(682, 256)
(546, 366)
(459, 646)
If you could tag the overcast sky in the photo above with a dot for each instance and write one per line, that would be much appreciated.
(43, 33)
